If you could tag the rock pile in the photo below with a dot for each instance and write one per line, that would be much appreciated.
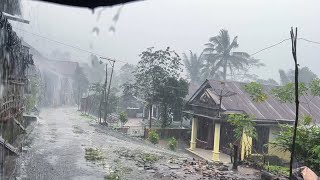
(164, 167)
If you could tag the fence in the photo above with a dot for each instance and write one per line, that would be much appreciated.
(135, 131)
(182, 134)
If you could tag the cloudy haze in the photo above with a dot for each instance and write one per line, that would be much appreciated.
(181, 24)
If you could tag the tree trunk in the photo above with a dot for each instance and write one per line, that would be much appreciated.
(150, 117)
(225, 72)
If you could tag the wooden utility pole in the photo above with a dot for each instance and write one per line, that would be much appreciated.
(296, 85)
(103, 95)
(107, 99)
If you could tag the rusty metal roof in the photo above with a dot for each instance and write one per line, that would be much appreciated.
(271, 109)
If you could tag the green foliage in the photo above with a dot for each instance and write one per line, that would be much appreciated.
(243, 124)
(30, 103)
(286, 93)
(172, 100)
(123, 117)
(80, 84)
(307, 142)
(36, 90)
(277, 170)
(269, 81)
(153, 137)
(255, 90)
(126, 74)
(151, 158)
(219, 54)
(172, 143)
(112, 176)
(305, 75)
(193, 65)
(314, 87)
(92, 154)
(155, 71)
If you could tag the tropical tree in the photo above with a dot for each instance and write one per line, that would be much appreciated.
(152, 71)
(172, 95)
(305, 75)
(219, 54)
(269, 81)
(193, 64)
(126, 74)
(80, 84)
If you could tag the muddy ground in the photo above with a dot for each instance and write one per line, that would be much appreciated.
(66, 145)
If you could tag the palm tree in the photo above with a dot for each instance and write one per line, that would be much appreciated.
(193, 64)
(219, 54)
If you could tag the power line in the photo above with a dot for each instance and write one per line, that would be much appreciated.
(304, 39)
(110, 59)
(74, 47)
(307, 40)
(270, 46)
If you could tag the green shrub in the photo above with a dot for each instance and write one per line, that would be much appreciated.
(153, 137)
(123, 117)
(172, 143)
(277, 170)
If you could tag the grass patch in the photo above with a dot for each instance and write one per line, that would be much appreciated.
(150, 158)
(112, 176)
(277, 170)
(93, 154)
(88, 116)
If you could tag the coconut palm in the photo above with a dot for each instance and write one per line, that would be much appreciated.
(193, 64)
(219, 53)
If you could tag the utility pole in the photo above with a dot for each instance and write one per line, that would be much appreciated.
(296, 85)
(107, 100)
(103, 95)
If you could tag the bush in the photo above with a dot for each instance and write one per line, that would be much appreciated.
(172, 144)
(153, 137)
(307, 149)
(277, 170)
(123, 117)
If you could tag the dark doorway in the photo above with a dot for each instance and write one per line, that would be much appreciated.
(259, 144)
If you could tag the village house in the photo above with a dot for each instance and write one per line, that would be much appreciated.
(214, 100)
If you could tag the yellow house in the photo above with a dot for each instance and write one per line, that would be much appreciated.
(210, 105)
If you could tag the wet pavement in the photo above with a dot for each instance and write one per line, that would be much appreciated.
(56, 149)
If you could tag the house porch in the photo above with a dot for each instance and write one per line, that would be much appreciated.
(207, 155)
(214, 137)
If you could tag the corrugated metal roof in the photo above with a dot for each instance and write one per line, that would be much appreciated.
(271, 109)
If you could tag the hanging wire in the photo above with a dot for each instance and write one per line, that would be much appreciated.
(266, 48)
(65, 44)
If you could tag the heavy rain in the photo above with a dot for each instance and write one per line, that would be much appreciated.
(159, 89)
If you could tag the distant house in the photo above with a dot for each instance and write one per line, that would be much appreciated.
(57, 76)
(214, 100)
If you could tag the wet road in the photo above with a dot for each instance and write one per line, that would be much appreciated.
(55, 149)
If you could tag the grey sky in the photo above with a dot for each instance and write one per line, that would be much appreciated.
(183, 25)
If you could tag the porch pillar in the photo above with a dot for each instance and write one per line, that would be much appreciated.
(194, 133)
(216, 142)
(246, 145)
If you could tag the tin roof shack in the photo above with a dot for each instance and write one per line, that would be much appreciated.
(215, 100)
(14, 60)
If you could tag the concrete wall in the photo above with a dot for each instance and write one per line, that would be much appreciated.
(274, 150)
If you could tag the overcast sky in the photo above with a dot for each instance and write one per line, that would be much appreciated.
(181, 24)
